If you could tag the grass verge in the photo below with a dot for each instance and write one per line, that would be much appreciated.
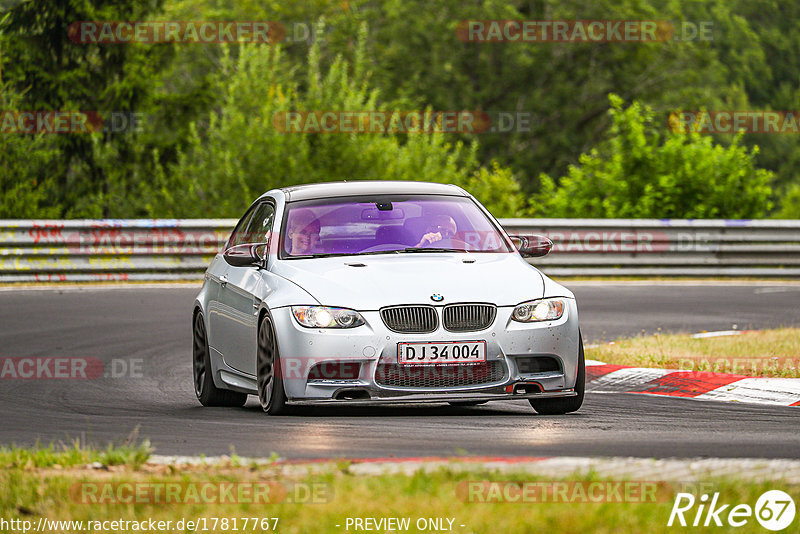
(767, 353)
(130, 455)
(329, 502)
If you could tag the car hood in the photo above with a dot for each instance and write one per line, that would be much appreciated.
(372, 282)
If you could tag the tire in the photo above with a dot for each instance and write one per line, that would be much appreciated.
(462, 404)
(567, 404)
(207, 393)
(271, 392)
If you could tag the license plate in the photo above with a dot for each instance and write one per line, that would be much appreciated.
(441, 352)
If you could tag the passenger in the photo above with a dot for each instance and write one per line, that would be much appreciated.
(302, 233)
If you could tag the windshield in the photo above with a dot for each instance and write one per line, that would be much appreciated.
(389, 224)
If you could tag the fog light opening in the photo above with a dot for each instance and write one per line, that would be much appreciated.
(334, 371)
(526, 389)
(351, 394)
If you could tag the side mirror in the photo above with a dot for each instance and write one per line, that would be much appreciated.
(243, 255)
(532, 246)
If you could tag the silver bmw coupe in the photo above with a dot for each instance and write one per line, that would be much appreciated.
(382, 292)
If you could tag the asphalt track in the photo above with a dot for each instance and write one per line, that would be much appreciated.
(149, 328)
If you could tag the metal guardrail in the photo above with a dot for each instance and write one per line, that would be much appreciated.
(667, 247)
(106, 250)
(164, 249)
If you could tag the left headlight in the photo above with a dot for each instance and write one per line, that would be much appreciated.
(325, 317)
(538, 310)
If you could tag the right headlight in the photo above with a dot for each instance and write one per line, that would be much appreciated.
(538, 310)
(325, 317)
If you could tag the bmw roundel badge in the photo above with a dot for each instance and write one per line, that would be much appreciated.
(436, 297)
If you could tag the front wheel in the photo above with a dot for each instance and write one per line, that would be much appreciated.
(207, 393)
(268, 366)
(567, 404)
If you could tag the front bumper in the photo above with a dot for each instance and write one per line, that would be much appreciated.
(422, 398)
(373, 344)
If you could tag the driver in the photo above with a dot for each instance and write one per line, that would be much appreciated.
(303, 232)
(441, 227)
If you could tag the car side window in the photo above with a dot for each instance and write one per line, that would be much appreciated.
(255, 226)
(239, 230)
(258, 228)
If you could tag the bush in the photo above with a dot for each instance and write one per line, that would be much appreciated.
(642, 171)
(790, 204)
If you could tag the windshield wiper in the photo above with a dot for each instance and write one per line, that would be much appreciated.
(376, 252)
(393, 251)
(342, 254)
(321, 255)
(434, 249)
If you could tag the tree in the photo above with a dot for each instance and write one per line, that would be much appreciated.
(25, 162)
(237, 151)
(419, 62)
(50, 72)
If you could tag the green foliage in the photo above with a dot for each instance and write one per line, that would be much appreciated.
(236, 152)
(564, 86)
(48, 71)
(76, 453)
(25, 164)
(790, 204)
(497, 189)
(209, 145)
(641, 172)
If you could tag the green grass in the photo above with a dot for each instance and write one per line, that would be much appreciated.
(31, 489)
(767, 353)
(73, 454)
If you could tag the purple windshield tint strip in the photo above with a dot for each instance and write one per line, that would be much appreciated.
(337, 226)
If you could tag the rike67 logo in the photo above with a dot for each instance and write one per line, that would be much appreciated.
(774, 510)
